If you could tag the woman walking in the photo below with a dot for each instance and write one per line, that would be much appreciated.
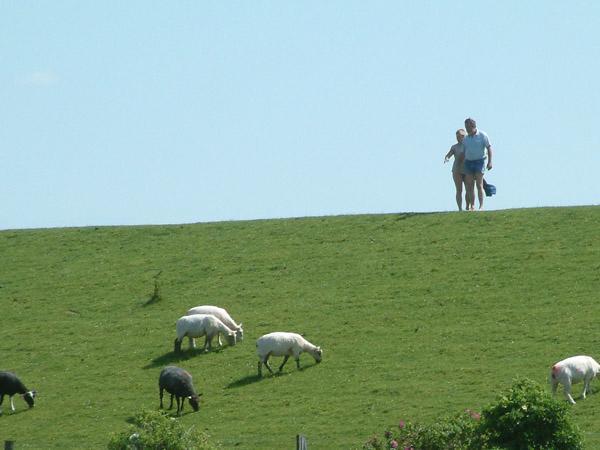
(458, 170)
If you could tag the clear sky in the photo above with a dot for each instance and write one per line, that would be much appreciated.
(148, 112)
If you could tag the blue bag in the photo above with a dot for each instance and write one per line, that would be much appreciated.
(489, 189)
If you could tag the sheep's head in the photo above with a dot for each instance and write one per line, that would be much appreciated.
(195, 401)
(317, 354)
(28, 397)
(239, 333)
(231, 338)
(177, 346)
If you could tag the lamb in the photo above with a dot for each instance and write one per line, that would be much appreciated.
(178, 382)
(199, 325)
(284, 344)
(11, 385)
(220, 314)
(573, 370)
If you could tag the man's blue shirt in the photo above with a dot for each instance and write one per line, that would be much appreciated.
(475, 145)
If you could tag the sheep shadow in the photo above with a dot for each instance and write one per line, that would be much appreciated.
(13, 413)
(249, 379)
(172, 357)
(244, 381)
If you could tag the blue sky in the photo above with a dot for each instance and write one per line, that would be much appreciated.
(146, 112)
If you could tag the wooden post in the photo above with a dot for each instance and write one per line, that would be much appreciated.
(301, 442)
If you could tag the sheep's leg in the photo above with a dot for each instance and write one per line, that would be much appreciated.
(554, 384)
(586, 387)
(219, 338)
(171, 404)
(208, 343)
(192, 342)
(286, 357)
(298, 362)
(568, 393)
(260, 368)
(161, 398)
(266, 363)
(12, 405)
(177, 398)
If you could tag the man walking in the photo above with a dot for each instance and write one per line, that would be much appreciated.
(475, 144)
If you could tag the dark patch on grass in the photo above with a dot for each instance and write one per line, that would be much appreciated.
(11, 413)
(245, 381)
(172, 357)
(156, 294)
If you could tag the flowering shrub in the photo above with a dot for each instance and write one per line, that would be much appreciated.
(525, 417)
(456, 432)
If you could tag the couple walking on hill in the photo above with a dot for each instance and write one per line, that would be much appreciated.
(470, 153)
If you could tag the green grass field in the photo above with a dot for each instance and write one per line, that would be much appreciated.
(418, 315)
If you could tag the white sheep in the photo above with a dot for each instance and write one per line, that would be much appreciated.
(222, 315)
(284, 344)
(573, 370)
(199, 325)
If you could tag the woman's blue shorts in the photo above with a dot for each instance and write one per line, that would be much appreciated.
(474, 166)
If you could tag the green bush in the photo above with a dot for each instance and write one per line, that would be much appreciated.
(155, 430)
(525, 417)
(528, 417)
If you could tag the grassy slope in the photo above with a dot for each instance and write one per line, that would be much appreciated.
(418, 315)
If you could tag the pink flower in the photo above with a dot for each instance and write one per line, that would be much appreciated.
(394, 444)
(401, 424)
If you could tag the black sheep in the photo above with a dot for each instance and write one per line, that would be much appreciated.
(178, 383)
(11, 385)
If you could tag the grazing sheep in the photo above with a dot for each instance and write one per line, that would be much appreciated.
(11, 385)
(199, 325)
(284, 344)
(178, 383)
(222, 315)
(573, 370)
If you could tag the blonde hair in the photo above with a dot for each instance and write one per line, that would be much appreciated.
(461, 131)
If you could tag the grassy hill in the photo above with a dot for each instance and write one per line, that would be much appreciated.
(418, 315)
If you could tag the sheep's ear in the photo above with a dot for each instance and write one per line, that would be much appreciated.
(240, 325)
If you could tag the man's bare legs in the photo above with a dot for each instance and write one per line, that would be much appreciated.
(480, 192)
(470, 191)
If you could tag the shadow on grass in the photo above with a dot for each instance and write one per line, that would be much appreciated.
(151, 300)
(249, 379)
(11, 413)
(172, 357)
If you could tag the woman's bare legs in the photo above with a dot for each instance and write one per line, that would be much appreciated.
(458, 183)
